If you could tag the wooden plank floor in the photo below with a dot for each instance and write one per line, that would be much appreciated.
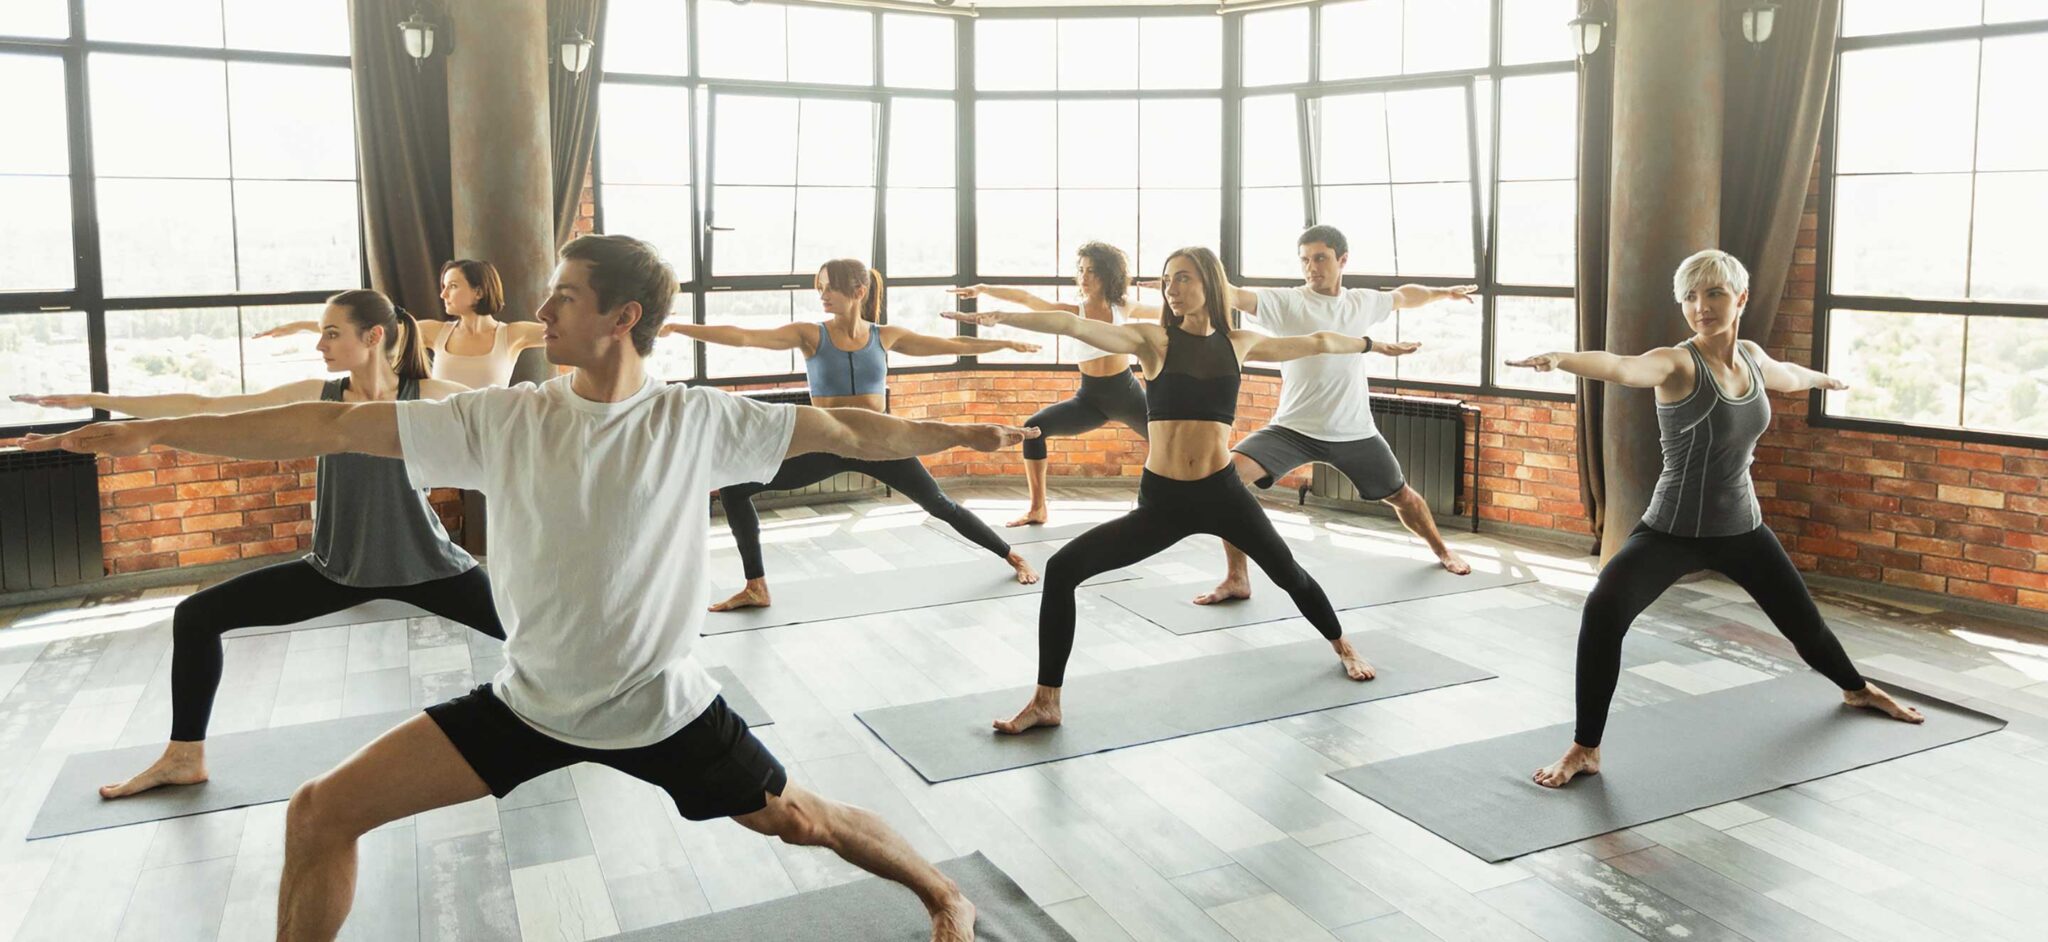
(1230, 835)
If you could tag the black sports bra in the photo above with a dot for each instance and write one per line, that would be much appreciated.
(1199, 380)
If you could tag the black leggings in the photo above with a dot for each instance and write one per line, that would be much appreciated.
(907, 475)
(1650, 562)
(1170, 511)
(283, 594)
(1099, 400)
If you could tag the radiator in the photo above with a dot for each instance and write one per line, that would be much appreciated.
(848, 483)
(49, 520)
(1428, 439)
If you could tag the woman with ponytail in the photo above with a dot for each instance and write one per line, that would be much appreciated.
(846, 361)
(374, 535)
(473, 348)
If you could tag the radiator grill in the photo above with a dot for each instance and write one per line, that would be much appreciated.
(49, 520)
(1428, 439)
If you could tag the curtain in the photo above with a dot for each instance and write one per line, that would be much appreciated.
(572, 108)
(1596, 124)
(402, 155)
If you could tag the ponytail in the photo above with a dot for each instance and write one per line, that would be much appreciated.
(403, 346)
(872, 309)
(410, 351)
(848, 276)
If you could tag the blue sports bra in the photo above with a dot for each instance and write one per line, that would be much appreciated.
(836, 372)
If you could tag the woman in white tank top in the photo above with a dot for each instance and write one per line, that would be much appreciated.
(474, 348)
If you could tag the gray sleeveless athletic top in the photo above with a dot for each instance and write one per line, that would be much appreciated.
(370, 527)
(1709, 441)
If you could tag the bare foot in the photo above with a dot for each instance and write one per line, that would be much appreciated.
(954, 922)
(1025, 574)
(1043, 710)
(1578, 760)
(1455, 563)
(1870, 697)
(755, 595)
(183, 763)
(1355, 667)
(1232, 587)
(1034, 517)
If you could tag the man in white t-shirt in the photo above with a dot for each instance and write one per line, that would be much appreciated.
(597, 482)
(1325, 409)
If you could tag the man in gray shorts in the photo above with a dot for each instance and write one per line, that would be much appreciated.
(1325, 406)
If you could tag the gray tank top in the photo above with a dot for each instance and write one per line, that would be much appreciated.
(371, 527)
(1709, 441)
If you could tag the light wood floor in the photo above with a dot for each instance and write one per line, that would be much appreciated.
(1229, 835)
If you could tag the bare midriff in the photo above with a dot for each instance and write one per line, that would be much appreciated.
(1187, 449)
(872, 403)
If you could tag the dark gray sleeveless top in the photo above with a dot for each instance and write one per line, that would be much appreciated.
(1709, 441)
(371, 527)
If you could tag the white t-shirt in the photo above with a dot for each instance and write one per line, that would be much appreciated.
(598, 526)
(1324, 396)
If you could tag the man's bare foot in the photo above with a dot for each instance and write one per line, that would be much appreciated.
(1035, 517)
(755, 595)
(183, 763)
(1453, 562)
(1870, 697)
(1578, 760)
(1355, 667)
(954, 922)
(1043, 710)
(1025, 574)
(1232, 587)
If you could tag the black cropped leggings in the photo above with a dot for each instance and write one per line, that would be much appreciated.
(906, 475)
(1170, 511)
(1099, 400)
(1650, 562)
(287, 593)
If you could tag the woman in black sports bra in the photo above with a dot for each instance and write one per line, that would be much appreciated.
(1192, 362)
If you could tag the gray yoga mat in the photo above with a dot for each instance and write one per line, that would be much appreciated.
(949, 739)
(247, 768)
(1019, 536)
(894, 590)
(870, 909)
(1369, 581)
(1656, 761)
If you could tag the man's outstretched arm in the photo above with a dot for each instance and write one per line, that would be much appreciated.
(875, 436)
(300, 430)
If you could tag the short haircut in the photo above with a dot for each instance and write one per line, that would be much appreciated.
(1706, 268)
(483, 276)
(1327, 235)
(624, 269)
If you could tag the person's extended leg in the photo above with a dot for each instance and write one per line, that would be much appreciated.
(745, 522)
(1066, 417)
(464, 598)
(411, 769)
(1415, 514)
(862, 838)
(1235, 515)
(909, 477)
(1237, 578)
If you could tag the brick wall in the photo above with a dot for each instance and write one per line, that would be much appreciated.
(167, 508)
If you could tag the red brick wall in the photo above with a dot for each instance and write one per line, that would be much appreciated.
(167, 508)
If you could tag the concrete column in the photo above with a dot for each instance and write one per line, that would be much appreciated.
(503, 192)
(1665, 205)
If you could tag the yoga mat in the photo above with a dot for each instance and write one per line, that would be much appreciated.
(1369, 581)
(1020, 536)
(738, 698)
(372, 611)
(1656, 761)
(870, 909)
(895, 590)
(949, 739)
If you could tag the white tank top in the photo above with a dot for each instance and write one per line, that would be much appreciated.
(476, 372)
(1074, 350)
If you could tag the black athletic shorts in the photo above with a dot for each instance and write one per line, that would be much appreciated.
(712, 768)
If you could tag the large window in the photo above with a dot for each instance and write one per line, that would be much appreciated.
(218, 196)
(1934, 305)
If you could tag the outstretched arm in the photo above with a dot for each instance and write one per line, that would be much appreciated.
(1109, 338)
(786, 337)
(1780, 376)
(911, 343)
(300, 430)
(1642, 372)
(877, 436)
(526, 335)
(177, 404)
(1409, 296)
(1281, 349)
(1014, 296)
(287, 328)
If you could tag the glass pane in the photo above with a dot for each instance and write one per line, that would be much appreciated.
(2014, 11)
(315, 26)
(1017, 232)
(1015, 54)
(46, 19)
(1902, 235)
(921, 140)
(1271, 222)
(1365, 214)
(1180, 52)
(917, 309)
(1441, 35)
(275, 361)
(920, 225)
(1535, 31)
(917, 51)
(2007, 384)
(835, 143)
(292, 121)
(44, 354)
(1899, 367)
(1098, 143)
(644, 136)
(1016, 144)
(1270, 145)
(751, 309)
(1361, 38)
(1180, 142)
(1907, 108)
(296, 235)
(1352, 146)
(1538, 233)
(648, 36)
(1867, 17)
(189, 350)
(2005, 247)
(1525, 327)
(675, 358)
(754, 140)
(1537, 116)
(1426, 132)
(1098, 52)
(165, 237)
(32, 111)
(35, 245)
(164, 22)
(1097, 216)
(1173, 219)
(656, 214)
(833, 222)
(763, 221)
(159, 117)
(2010, 135)
(1276, 47)
(1450, 335)
(1433, 229)
(831, 46)
(743, 41)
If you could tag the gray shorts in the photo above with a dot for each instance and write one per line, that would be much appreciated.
(1368, 462)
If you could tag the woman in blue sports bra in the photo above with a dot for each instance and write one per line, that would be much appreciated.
(846, 361)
